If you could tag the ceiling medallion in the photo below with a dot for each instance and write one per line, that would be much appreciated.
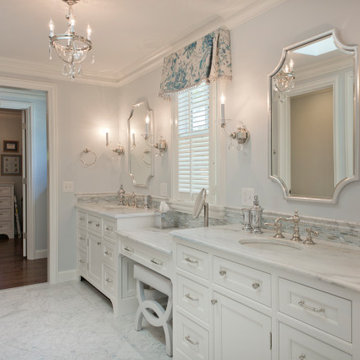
(70, 47)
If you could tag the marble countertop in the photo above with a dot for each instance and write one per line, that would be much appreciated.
(158, 239)
(115, 211)
(334, 263)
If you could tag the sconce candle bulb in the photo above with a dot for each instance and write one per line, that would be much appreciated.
(147, 122)
(88, 32)
(222, 110)
(51, 28)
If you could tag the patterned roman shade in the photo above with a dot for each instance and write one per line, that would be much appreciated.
(206, 59)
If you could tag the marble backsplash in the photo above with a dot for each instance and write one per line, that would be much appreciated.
(329, 229)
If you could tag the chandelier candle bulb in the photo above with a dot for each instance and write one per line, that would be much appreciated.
(88, 32)
(51, 28)
(222, 110)
(107, 138)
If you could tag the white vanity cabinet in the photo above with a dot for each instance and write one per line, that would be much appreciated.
(99, 261)
(229, 307)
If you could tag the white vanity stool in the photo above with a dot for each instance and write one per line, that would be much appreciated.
(154, 312)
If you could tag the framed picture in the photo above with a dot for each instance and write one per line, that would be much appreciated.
(10, 165)
(11, 146)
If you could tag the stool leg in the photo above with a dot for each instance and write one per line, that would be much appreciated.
(138, 319)
(168, 338)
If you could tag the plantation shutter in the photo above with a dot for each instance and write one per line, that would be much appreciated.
(193, 109)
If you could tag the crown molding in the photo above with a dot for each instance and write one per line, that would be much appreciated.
(118, 79)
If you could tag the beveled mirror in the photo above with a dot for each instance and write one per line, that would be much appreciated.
(140, 150)
(314, 123)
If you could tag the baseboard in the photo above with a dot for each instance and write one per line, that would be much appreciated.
(67, 275)
(40, 254)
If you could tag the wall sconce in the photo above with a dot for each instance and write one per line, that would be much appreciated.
(119, 150)
(241, 135)
(161, 146)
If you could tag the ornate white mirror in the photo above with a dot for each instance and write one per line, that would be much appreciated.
(314, 123)
(140, 129)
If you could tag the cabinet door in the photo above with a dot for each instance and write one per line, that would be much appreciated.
(95, 258)
(240, 332)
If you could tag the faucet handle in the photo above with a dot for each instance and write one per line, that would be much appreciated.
(277, 225)
(309, 240)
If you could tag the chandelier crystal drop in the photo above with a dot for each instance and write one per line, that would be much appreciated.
(284, 80)
(70, 47)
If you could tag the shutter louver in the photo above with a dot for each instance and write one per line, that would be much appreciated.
(193, 139)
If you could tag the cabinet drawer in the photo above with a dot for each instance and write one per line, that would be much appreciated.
(94, 223)
(295, 345)
(109, 252)
(82, 219)
(82, 239)
(109, 229)
(194, 298)
(244, 280)
(82, 262)
(146, 256)
(191, 339)
(5, 214)
(5, 203)
(5, 228)
(108, 280)
(322, 310)
(193, 261)
(5, 191)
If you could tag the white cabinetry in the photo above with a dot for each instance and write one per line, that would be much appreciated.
(240, 331)
(99, 261)
(7, 210)
(229, 307)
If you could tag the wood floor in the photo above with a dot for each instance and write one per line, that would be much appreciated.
(15, 270)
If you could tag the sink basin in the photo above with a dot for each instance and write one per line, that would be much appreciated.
(270, 244)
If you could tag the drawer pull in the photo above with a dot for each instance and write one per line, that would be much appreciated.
(97, 225)
(191, 261)
(82, 261)
(213, 301)
(90, 222)
(82, 238)
(255, 285)
(311, 308)
(109, 228)
(128, 249)
(108, 280)
(222, 272)
(157, 262)
(192, 342)
(108, 253)
(191, 298)
(99, 243)
(302, 357)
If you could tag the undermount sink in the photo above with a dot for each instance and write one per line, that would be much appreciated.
(270, 244)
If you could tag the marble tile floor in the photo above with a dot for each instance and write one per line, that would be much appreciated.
(71, 321)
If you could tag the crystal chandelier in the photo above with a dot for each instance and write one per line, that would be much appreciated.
(70, 47)
(284, 80)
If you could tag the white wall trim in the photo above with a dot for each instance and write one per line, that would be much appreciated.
(51, 90)
(40, 254)
(148, 64)
(67, 275)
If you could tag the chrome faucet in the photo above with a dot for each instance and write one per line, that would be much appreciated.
(121, 195)
(296, 220)
(309, 240)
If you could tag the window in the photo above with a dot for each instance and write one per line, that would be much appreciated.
(193, 135)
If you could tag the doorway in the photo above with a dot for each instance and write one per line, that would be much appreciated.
(23, 178)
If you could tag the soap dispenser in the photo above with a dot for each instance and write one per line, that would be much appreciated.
(256, 216)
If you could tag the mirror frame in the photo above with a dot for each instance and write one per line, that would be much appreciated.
(150, 113)
(345, 181)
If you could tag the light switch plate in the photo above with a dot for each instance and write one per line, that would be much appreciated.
(68, 186)
(163, 189)
(247, 196)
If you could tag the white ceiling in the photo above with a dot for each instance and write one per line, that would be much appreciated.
(129, 37)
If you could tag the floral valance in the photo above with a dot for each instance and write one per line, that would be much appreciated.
(206, 59)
